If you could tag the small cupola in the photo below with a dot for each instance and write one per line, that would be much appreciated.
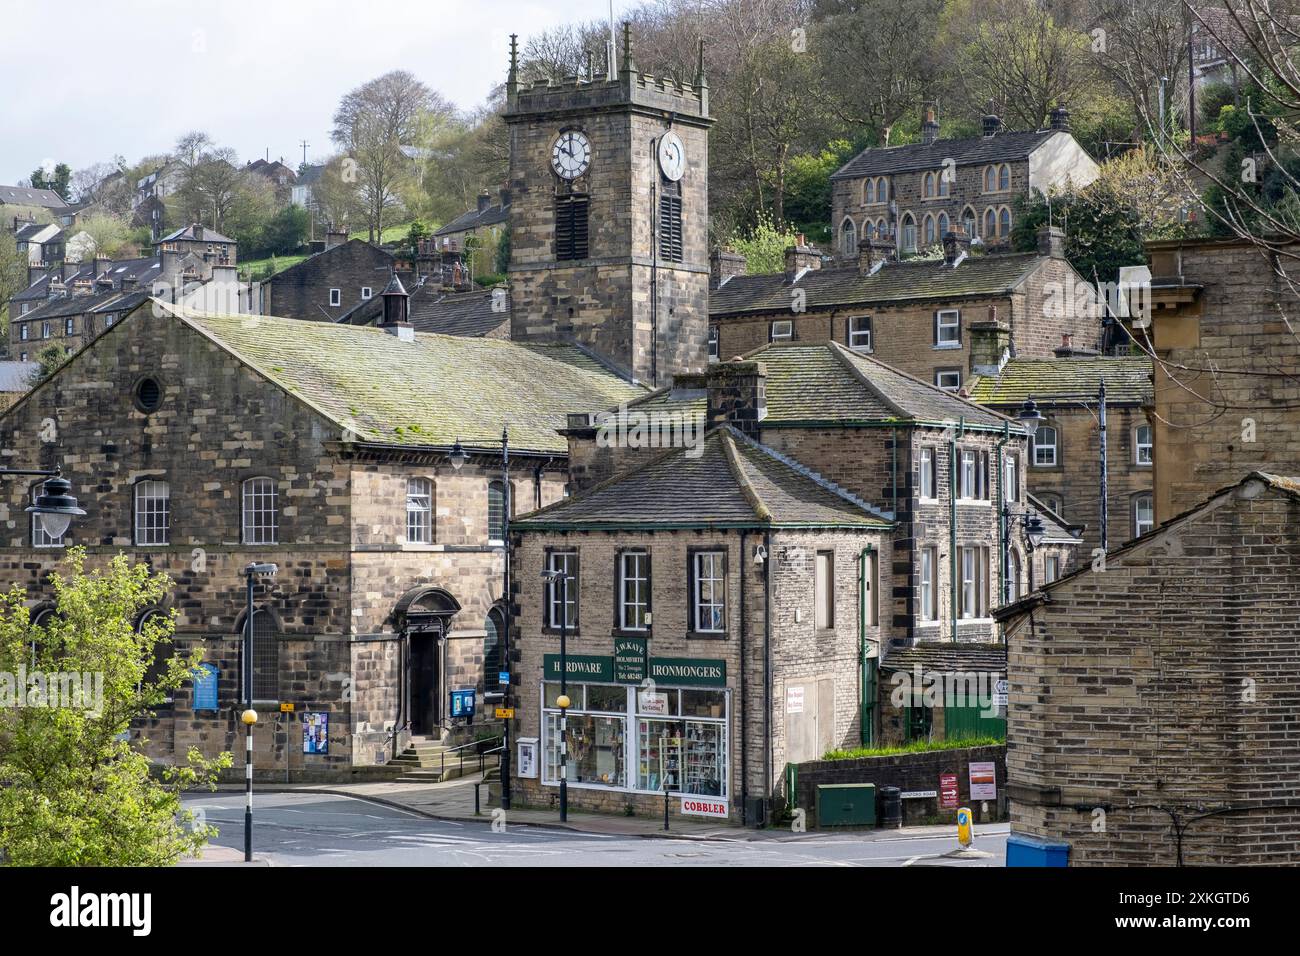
(397, 310)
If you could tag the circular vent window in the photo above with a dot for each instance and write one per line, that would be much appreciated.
(148, 395)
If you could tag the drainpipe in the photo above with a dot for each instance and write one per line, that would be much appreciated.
(1003, 531)
(744, 697)
(767, 663)
(952, 524)
(864, 728)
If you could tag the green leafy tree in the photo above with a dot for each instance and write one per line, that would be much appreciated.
(56, 179)
(76, 792)
(764, 245)
(49, 359)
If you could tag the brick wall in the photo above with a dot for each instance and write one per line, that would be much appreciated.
(917, 771)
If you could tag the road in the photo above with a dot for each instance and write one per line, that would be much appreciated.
(296, 829)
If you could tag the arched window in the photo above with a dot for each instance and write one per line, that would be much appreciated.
(494, 661)
(848, 238)
(869, 191)
(908, 235)
(868, 230)
(928, 229)
(1046, 450)
(162, 651)
(496, 512)
(1144, 514)
(261, 514)
(152, 512)
(266, 657)
(1013, 591)
(882, 189)
(927, 185)
(419, 511)
(1004, 177)
(969, 221)
(942, 225)
(41, 538)
(990, 223)
(942, 183)
(42, 618)
(990, 179)
(1004, 223)
(882, 230)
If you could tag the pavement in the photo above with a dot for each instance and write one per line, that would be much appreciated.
(305, 826)
(454, 801)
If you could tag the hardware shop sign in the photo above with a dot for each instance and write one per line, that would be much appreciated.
(688, 672)
(629, 660)
(579, 667)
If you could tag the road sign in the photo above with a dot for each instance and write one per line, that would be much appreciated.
(948, 795)
(505, 713)
(286, 707)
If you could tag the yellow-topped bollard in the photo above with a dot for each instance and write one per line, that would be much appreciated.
(249, 716)
(965, 830)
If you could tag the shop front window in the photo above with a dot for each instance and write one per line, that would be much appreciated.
(680, 738)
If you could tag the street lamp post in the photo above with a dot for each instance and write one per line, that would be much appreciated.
(249, 716)
(1030, 417)
(55, 505)
(552, 576)
(505, 637)
(1035, 530)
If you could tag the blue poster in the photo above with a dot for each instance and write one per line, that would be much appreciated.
(205, 687)
(462, 703)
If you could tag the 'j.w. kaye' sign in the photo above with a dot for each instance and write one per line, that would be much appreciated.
(629, 660)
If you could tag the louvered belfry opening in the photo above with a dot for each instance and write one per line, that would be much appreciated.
(571, 208)
(670, 222)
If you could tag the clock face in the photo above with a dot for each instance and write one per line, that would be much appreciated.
(571, 154)
(672, 156)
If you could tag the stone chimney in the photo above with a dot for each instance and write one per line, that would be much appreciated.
(800, 257)
(737, 394)
(334, 238)
(956, 246)
(1060, 119)
(504, 193)
(723, 264)
(484, 200)
(873, 253)
(1068, 349)
(929, 126)
(198, 232)
(992, 124)
(396, 317)
(990, 344)
(1051, 241)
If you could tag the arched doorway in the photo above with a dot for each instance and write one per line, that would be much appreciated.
(423, 616)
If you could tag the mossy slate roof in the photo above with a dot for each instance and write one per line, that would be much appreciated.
(429, 392)
(1128, 379)
(906, 281)
(828, 383)
(732, 481)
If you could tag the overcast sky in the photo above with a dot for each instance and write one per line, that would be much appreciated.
(83, 80)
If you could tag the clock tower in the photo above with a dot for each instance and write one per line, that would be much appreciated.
(609, 216)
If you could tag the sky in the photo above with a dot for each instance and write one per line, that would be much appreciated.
(128, 77)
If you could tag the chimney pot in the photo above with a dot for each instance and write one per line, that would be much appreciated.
(1060, 119)
(1051, 241)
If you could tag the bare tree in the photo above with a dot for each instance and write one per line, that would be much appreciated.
(878, 57)
(372, 124)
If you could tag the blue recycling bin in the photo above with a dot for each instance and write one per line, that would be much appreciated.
(1025, 850)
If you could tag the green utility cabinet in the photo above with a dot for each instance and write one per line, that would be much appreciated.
(846, 805)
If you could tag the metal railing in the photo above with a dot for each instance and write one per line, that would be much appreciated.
(459, 752)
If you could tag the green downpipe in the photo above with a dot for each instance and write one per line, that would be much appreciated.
(952, 524)
(1003, 532)
(866, 681)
